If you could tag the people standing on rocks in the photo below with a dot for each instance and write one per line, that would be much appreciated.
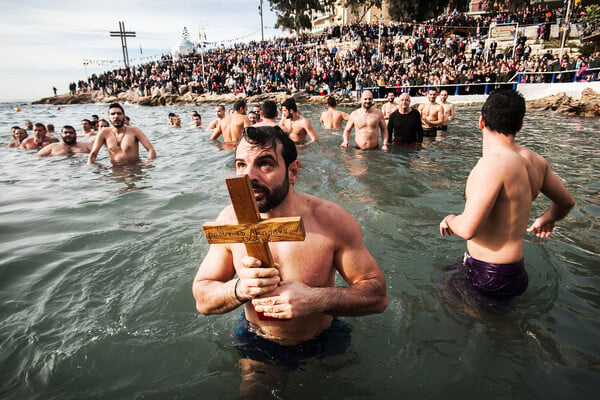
(231, 127)
(404, 125)
(332, 118)
(298, 126)
(122, 141)
(432, 114)
(39, 139)
(448, 110)
(69, 144)
(368, 121)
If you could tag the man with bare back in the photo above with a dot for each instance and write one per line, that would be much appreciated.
(499, 193)
(122, 141)
(332, 118)
(368, 121)
(231, 126)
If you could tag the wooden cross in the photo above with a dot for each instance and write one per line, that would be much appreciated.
(250, 229)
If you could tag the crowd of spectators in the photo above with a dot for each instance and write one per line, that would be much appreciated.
(450, 51)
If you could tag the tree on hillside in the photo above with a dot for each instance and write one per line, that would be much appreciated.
(295, 15)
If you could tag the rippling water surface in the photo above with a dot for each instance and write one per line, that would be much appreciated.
(97, 262)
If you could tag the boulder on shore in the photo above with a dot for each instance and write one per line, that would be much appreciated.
(587, 106)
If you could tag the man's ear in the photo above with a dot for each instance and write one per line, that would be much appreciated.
(481, 124)
(293, 170)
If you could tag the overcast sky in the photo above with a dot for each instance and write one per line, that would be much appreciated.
(44, 43)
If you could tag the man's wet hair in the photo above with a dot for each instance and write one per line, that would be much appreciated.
(171, 114)
(331, 101)
(269, 109)
(266, 137)
(40, 125)
(116, 105)
(290, 104)
(239, 105)
(87, 120)
(503, 111)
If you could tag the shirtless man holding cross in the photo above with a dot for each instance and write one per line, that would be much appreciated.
(297, 293)
(122, 141)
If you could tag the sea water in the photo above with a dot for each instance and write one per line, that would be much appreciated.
(97, 263)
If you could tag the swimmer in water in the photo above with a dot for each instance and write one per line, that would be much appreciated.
(122, 141)
(368, 121)
(332, 118)
(69, 144)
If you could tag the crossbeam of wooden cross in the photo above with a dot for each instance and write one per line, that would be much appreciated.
(250, 229)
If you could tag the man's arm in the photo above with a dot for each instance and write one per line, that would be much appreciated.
(561, 204)
(483, 186)
(46, 151)
(96, 147)
(215, 290)
(384, 133)
(366, 293)
(146, 143)
(347, 131)
(451, 114)
(310, 130)
(213, 124)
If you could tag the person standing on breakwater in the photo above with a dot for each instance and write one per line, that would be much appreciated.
(332, 118)
(122, 141)
(499, 193)
(368, 121)
(69, 144)
(299, 291)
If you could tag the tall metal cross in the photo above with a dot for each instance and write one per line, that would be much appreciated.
(251, 230)
(123, 34)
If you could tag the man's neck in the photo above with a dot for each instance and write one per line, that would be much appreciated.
(493, 140)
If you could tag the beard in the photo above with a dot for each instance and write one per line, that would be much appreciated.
(70, 140)
(118, 123)
(271, 198)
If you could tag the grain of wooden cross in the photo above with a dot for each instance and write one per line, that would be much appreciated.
(250, 229)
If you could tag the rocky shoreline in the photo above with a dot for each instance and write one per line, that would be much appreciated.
(588, 105)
